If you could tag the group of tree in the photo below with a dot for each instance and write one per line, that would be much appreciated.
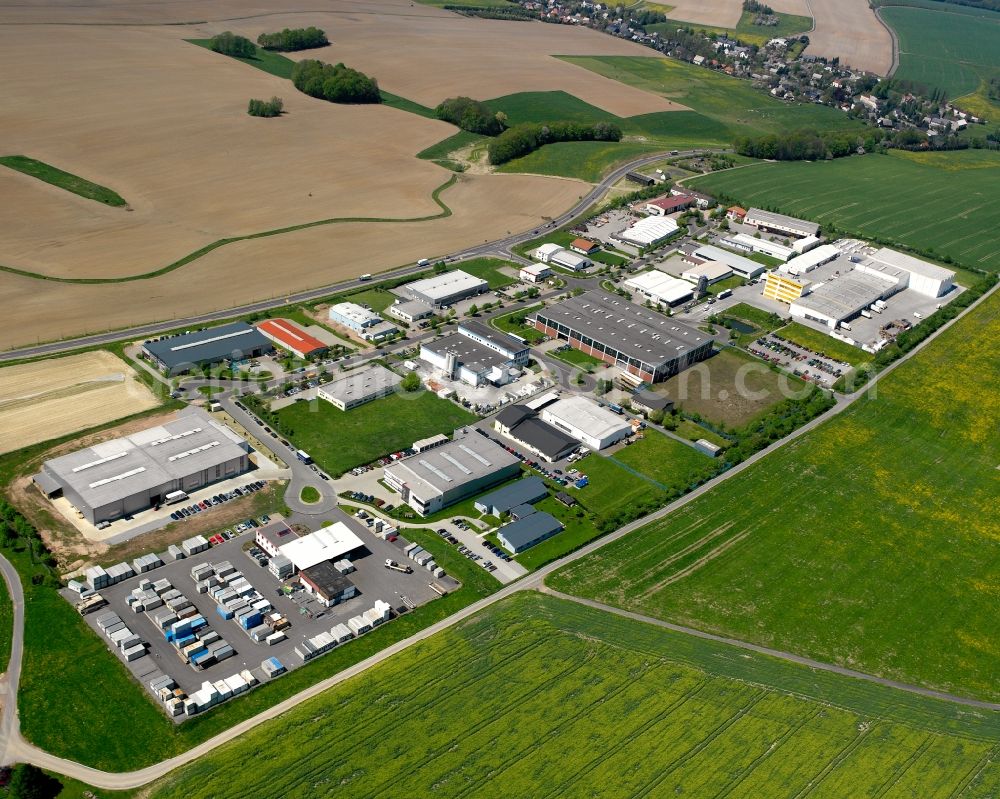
(525, 138)
(265, 108)
(230, 44)
(291, 39)
(756, 7)
(30, 782)
(472, 115)
(802, 145)
(336, 83)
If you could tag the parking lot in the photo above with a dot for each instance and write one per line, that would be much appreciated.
(306, 616)
(798, 360)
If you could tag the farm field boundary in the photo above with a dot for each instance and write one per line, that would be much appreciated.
(199, 253)
(63, 180)
(894, 199)
(813, 578)
(704, 718)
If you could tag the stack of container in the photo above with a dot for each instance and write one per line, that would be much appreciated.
(344, 566)
(201, 571)
(272, 667)
(119, 572)
(194, 545)
(97, 578)
(359, 625)
(439, 572)
(175, 552)
(281, 567)
(162, 586)
(146, 563)
(341, 633)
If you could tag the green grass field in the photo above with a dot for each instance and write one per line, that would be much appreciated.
(612, 484)
(823, 344)
(941, 203)
(309, 494)
(730, 389)
(489, 270)
(539, 697)
(340, 440)
(63, 180)
(667, 461)
(508, 325)
(575, 357)
(375, 298)
(266, 60)
(870, 542)
(948, 46)
(583, 160)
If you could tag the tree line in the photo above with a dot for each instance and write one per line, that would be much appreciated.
(228, 43)
(336, 83)
(265, 108)
(290, 39)
(472, 115)
(528, 137)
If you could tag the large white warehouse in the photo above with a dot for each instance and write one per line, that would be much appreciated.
(649, 231)
(587, 422)
(925, 278)
(659, 287)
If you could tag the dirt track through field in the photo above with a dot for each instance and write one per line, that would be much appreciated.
(48, 399)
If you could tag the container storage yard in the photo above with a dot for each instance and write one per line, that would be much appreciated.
(202, 629)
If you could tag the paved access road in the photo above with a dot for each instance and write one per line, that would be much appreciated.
(497, 247)
(16, 749)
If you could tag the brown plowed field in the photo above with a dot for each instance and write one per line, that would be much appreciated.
(163, 123)
(48, 399)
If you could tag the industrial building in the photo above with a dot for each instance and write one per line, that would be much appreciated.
(449, 473)
(327, 584)
(292, 338)
(234, 342)
(520, 423)
(535, 273)
(924, 278)
(363, 321)
(742, 267)
(804, 245)
(329, 543)
(660, 288)
(643, 343)
(735, 213)
(446, 289)
(477, 355)
(779, 223)
(587, 422)
(647, 401)
(741, 241)
(584, 246)
(784, 287)
(840, 300)
(359, 386)
(528, 531)
(410, 311)
(814, 258)
(649, 231)
(554, 254)
(126, 475)
(273, 536)
(520, 492)
(672, 203)
(711, 271)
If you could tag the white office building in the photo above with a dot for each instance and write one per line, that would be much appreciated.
(586, 421)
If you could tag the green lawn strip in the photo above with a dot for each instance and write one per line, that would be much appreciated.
(575, 357)
(881, 198)
(6, 625)
(731, 282)
(310, 494)
(194, 256)
(489, 270)
(507, 324)
(340, 440)
(583, 160)
(823, 344)
(446, 147)
(846, 545)
(627, 705)
(395, 101)
(692, 431)
(755, 316)
(64, 180)
(378, 299)
(270, 62)
(759, 35)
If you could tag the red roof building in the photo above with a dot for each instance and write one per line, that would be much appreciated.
(662, 206)
(291, 337)
(736, 214)
(583, 246)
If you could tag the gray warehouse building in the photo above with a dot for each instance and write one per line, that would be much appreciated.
(437, 478)
(126, 475)
(233, 342)
(528, 531)
(446, 289)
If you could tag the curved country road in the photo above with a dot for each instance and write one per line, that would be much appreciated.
(16, 749)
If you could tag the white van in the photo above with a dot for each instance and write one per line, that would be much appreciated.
(423, 262)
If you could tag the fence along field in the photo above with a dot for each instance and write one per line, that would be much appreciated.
(539, 697)
(943, 203)
(870, 542)
(51, 398)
